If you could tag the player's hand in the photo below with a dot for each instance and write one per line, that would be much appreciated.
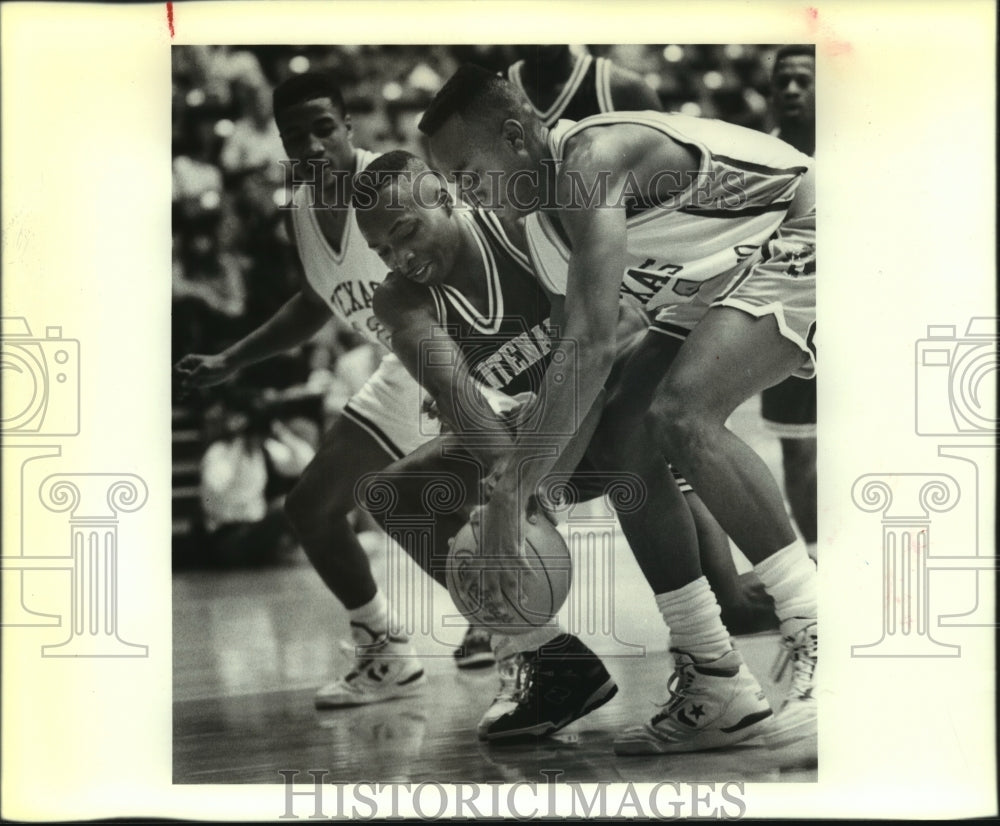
(500, 531)
(202, 371)
(497, 471)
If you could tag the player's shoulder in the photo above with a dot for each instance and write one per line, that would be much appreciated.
(591, 140)
(608, 141)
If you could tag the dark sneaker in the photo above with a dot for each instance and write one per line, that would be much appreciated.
(475, 650)
(545, 690)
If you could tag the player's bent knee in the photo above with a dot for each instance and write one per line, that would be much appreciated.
(679, 427)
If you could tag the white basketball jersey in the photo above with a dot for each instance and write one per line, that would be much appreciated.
(746, 182)
(346, 279)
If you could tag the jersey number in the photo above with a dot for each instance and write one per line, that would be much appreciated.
(649, 278)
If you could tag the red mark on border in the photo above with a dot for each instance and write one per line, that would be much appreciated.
(824, 33)
(170, 17)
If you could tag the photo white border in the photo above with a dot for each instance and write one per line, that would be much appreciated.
(906, 134)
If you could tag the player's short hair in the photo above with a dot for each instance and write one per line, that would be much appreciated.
(474, 93)
(307, 86)
(794, 50)
(380, 173)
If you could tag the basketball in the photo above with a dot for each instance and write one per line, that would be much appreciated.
(535, 598)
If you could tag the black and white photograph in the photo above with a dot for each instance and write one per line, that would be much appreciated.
(404, 420)
(316, 318)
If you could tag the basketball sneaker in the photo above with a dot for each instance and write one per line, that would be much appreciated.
(475, 650)
(796, 719)
(385, 667)
(710, 705)
(545, 690)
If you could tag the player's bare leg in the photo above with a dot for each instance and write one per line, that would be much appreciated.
(667, 568)
(318, 509)
(746, 607)
(726, 359)
(729, 357)
(798, 458)
(714, 700)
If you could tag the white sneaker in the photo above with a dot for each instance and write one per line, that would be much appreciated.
(711, 705)
(506, 699)
(476, 650)
(384, 669)
(796, 719)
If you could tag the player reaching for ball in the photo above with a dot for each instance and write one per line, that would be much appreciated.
(466, 314)
(567, 82)
(379, 424)
(713, 226)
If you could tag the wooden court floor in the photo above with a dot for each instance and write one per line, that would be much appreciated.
(251, 647)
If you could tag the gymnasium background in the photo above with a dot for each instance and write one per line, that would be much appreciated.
(233, 265)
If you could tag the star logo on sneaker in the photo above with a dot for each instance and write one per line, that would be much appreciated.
(377, 672)
(697, 711)
(687, 721)
(556, 695)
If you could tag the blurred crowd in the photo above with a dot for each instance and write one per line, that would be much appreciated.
(233, 263)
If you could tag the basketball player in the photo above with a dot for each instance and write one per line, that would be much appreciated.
(713, 226)
(563, 82)
(463, 311)
(379, 424)
(467, 316)
(789, 408)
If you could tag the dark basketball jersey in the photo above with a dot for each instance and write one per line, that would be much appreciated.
(587, 90)
(508, 348)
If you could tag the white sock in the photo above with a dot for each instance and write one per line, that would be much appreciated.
(371, 620)
(789, 576)
(692, 614)
(505, 645)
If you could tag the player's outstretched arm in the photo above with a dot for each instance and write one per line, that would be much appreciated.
(297, 321)
(583, 358)
(435, 360)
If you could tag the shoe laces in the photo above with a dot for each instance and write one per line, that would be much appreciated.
(524, 679)
(678, 687)
(801, 651)
(509, 670)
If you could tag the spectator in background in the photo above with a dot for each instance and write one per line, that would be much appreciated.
(789, 408)
(242, 524)
(253, 145)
